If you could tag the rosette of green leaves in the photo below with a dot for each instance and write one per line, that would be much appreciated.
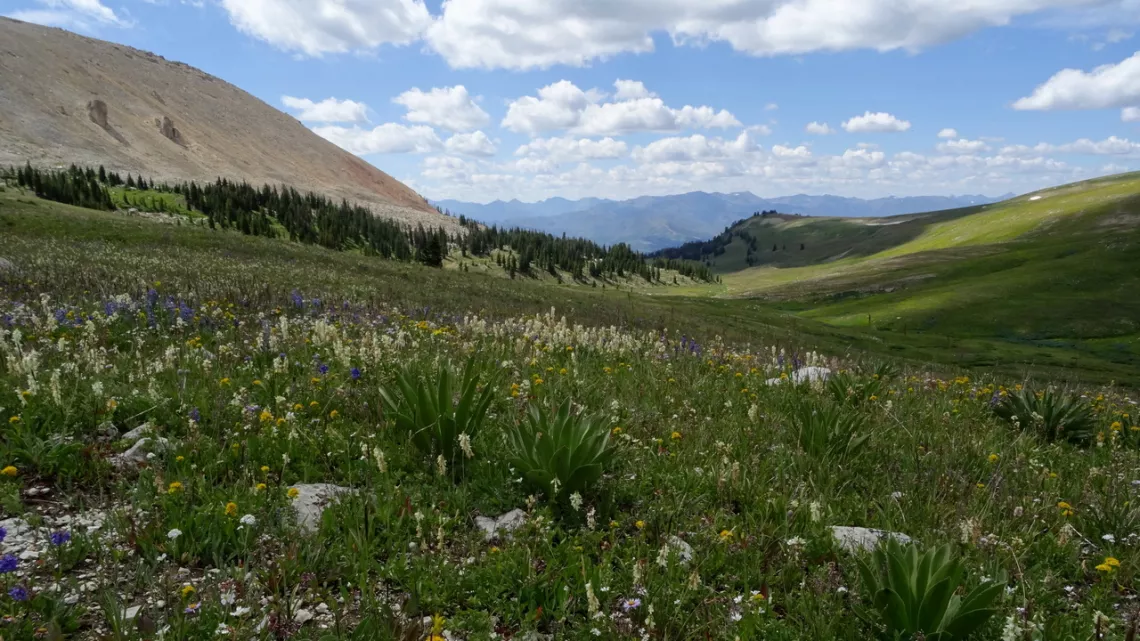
(558, 452)
(1053, 416)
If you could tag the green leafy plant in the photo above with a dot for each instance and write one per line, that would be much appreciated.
(829, 432)
(438, 422)
(916, 595)
(1052, 416)
(851, 389)
(559, 452)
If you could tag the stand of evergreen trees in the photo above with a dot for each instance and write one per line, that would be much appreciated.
(315, 219)
(703, 250)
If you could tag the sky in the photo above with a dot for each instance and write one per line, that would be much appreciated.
(481, 100)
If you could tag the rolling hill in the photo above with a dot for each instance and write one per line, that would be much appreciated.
(649, 223)
(69, 99)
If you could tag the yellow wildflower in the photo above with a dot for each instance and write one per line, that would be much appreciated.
(260, 487)
(187, 590)
(297, 407)
(616, 430)
(10, 471)
(563, 371)
(224, 381)
(495, 549)
(257, 382)
(14, 420)
(174, 487)
(1104, 567)
(179, 459)
(293, 493)
(640, 525)
(726, 535)
(313, 403)
(994, 458)
(334, 414)
(265, 469)
(676, 436)
(265, 416)
(231, 509)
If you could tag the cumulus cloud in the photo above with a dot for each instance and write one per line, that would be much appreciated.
(1111, 146)
(878, 122)
(1107, 86)
(318, 27)
(963, 146)
(819, 128)
(475, 143)
(525, 34)
(567, 149)
(83, 15)
(388, 138)
(449, 107)
(327, 110)
(565, 106)
(696, 147)
(948, 133)
(1130, 114)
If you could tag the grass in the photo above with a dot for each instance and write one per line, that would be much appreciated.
(260, 365)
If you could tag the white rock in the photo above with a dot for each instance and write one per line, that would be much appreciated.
(303, 616)
(506, 523)
(137, 454)
(311, 501)
(131, 612)
(142, 430)
(29, 554)
(862, 539)
(804, 375)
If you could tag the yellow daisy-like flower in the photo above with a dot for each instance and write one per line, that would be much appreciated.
(174, 487)
(297, 407)
(10, 471)
(293, 493)
(265, 416)
(224, 381)
(14, 420)
(257, 383)
(187, 590)
(564, 371)
(264, 469)
(726, 535)
(994, 458)
(640, 525)
(1064, 506)
(676, 436)
(231, 509)
(334, 414)
(495, 549)
(1104, 567)
(616, 431)
(1111, 561)
(313, 403)
(179, 459)
(260, 487)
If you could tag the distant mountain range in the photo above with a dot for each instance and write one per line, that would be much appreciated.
(649, 223)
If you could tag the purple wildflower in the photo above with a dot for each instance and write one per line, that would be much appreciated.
(323, 369)
(195, 415)
(18, 593)
(59, 538)
(3, 534)
(193, 608)
(8, 563)
(631, 604)
(355, 373)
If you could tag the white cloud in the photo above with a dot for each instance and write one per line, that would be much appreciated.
(878, 122)
(1130, 114)
(449, 107)
(798, 153)
(524, 34)
(771, 106)
(1111, 146)
(573, 149)
(83, 15)
(475, 143)
(963, 146)
(696, 147)
(819, 128)
(388, 138)
(327, 110)
(317, 27)
(948, 133)
(1107, 86)
(564, 106)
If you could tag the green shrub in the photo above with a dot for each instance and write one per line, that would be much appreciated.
(1052, 416)
(437, 422)
(915, 595)
(560, 453)
(829, 432)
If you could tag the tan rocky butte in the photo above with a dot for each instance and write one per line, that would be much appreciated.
(65, 99)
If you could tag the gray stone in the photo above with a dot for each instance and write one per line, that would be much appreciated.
(506, 523)
(131, 612)
(804, 375)
(862, 539)
(138, 452)
(311, 501)
(142, 430)
(6, 266)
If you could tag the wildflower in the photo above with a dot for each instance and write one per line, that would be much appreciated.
(257, 382)
(264, 469)
(796, 542)
(174, 487)
(174, 534)
(564, 371)
(293, 493)
(465, 445)
(8, 563)
(193, 608)
(640, 525)
(10, 471)
(231, 509)
(18, 593)
(726, 535)
(1109, 538)
(576, 501)
(187, 590)
(495, 549)
(981, 486)
(249, 520)
(441, 467)
(265, 416)
(333, 414)
(59, 538)
(994, 458)
(631, 604)
(14, 420)
(1104, 567)
(179, 459)
(260, 487)
(616, 431)
(1111, 562)
(676, 436)
(224, 381)
(3, 533)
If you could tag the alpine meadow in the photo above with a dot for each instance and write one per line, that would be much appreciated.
(472, 364)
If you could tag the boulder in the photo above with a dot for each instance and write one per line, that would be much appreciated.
(97, 112)
(137, 455)
(142, 430)
(804, 375)
(311, 501)
(506, 523)
(167, 128)
(862, 539)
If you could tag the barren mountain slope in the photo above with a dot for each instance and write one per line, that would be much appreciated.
(65, 98)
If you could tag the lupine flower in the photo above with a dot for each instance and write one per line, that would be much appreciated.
(59, 538)
(18, 593)
(3, 534)
(355, 373)
(8, 563)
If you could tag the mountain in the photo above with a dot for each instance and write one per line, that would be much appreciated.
(499, 211)
(650, 223)
(69, 99)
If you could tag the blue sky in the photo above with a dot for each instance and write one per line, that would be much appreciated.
(486, 99)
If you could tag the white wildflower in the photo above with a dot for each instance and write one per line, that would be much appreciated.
(249, 520)
(576, 501)
(174, 534)
(465, 445)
